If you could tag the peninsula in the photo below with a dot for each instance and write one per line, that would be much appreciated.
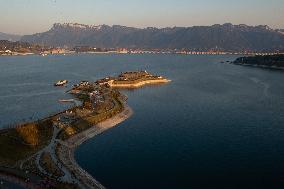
(40, 154)
(267, 61)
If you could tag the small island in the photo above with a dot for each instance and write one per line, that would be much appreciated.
(40, 154)
(264, 61)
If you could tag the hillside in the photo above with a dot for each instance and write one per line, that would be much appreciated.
(22, 47)
(268, 60)
(226, 37)
(9, 37)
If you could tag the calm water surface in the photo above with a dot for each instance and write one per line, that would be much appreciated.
(214, 126)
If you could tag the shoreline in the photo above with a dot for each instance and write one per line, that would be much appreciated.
(56, 137)
(260, 66)
(67, 149)
(139, 84)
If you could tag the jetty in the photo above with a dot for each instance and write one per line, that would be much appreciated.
(41, 153)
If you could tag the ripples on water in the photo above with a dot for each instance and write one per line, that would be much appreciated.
(214, 126)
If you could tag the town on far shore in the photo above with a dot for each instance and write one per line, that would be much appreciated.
(8, 48)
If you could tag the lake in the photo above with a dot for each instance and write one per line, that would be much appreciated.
(214, 126)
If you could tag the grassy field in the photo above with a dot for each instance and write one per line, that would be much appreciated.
(86, 122)
(21, 142)
(50, 167)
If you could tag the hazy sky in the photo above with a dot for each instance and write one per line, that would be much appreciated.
(30, 16)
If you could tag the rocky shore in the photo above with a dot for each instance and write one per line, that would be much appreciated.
(139, 84)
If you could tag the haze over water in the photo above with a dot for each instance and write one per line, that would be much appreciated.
(214, 126)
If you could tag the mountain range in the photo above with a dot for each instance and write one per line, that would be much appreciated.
(10, 37)
(226, 37)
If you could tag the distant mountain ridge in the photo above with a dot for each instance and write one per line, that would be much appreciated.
(9, 37)
(226, 37)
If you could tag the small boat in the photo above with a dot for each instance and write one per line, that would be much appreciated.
(61, 83)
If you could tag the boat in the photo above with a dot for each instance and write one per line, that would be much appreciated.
(61, 83)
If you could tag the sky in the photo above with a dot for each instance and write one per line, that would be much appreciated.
(32, 16)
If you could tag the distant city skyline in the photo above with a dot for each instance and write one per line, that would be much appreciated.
(32, 16)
